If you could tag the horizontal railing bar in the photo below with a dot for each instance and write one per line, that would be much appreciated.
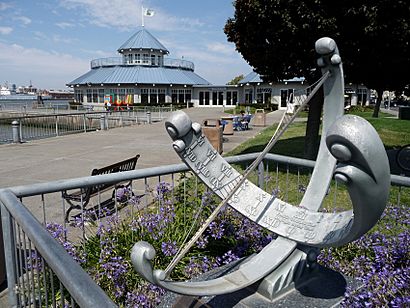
(80, 285)
(56, 186)
(399, 180)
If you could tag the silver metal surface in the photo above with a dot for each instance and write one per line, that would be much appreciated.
(363, 167)
(79, 284)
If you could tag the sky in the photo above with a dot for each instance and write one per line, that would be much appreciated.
(51, 42)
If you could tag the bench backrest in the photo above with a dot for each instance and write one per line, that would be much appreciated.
(125, 165)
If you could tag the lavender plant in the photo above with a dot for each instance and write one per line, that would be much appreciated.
(380, 259)
(164, 225)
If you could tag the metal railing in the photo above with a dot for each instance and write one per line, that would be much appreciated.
(120, 61)
(283, 176)
(16, 128)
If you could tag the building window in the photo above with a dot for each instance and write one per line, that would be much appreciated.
(144, 96)
(181, 96)
(203, 98)
(129, 96)
(361, 96)
(152, 59)
(101, 96)
(95, 96)
(161, 96)
(78, 96)
(89, 95)
(263, 95)
(137, 58)
(145, 58)
(248, 96)
(286, 96)
(153, 96)
(130, 58)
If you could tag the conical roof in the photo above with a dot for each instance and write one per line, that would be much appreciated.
(143, 40)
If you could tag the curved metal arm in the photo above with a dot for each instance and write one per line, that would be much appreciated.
(360, 171)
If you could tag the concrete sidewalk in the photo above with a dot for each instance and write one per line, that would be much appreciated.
(76, 155)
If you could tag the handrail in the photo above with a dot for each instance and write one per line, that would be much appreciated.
(120, 61)
(80, 285)
(56, 186)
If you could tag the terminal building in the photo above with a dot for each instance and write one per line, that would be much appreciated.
(144, 74)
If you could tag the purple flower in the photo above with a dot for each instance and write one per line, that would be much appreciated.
(169, 249)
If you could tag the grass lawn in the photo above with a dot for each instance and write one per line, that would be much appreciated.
(393, 132)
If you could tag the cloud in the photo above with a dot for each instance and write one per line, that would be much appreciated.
(4, 6)
(46, 69)
(126, 15)
(65, 25)
(222, 48)
(5, 30)
(38, 35)
(23, 19)
(58, 39)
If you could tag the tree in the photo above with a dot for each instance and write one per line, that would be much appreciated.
(375, 37)
(236, 80)
(277, 38)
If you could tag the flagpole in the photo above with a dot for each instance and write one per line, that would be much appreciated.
(142, 16)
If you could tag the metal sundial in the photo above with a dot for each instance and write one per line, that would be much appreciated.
(350, 149)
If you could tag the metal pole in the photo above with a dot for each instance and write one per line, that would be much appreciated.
(102, 122)
(85, 123)
(15, 129)
(56, 125)
(149, 119)
(10, 256)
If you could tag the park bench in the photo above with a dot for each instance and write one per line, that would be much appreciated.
(80, 198)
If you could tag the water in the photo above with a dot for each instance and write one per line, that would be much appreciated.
(25, 104)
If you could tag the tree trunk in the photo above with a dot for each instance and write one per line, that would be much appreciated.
(313, 126)
(378, 102)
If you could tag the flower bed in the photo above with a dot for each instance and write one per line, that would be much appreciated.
(379, 259)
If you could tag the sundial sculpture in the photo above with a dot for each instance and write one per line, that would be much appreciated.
(350, 150)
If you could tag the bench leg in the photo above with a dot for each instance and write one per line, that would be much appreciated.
(72, 206)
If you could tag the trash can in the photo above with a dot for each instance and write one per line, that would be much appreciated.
(227, 125)
(212, 130)
(404, 113)
(259, 118)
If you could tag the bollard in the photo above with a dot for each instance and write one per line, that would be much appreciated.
(149, 119)
(103, 125)
(15, 129)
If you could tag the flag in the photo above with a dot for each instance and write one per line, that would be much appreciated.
(149, 12)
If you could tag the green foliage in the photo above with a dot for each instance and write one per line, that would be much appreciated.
(277, 38)
(236, 80)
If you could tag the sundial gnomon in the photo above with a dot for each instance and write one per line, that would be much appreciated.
(350, 150)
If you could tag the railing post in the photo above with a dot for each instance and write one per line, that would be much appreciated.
(261, 179)
(56, 125)
(102, 122)
(149, 118)
(85, 123)
(15, 126)
(9, 254)
(103, 125)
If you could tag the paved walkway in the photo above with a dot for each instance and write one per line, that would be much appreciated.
(76, 155)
